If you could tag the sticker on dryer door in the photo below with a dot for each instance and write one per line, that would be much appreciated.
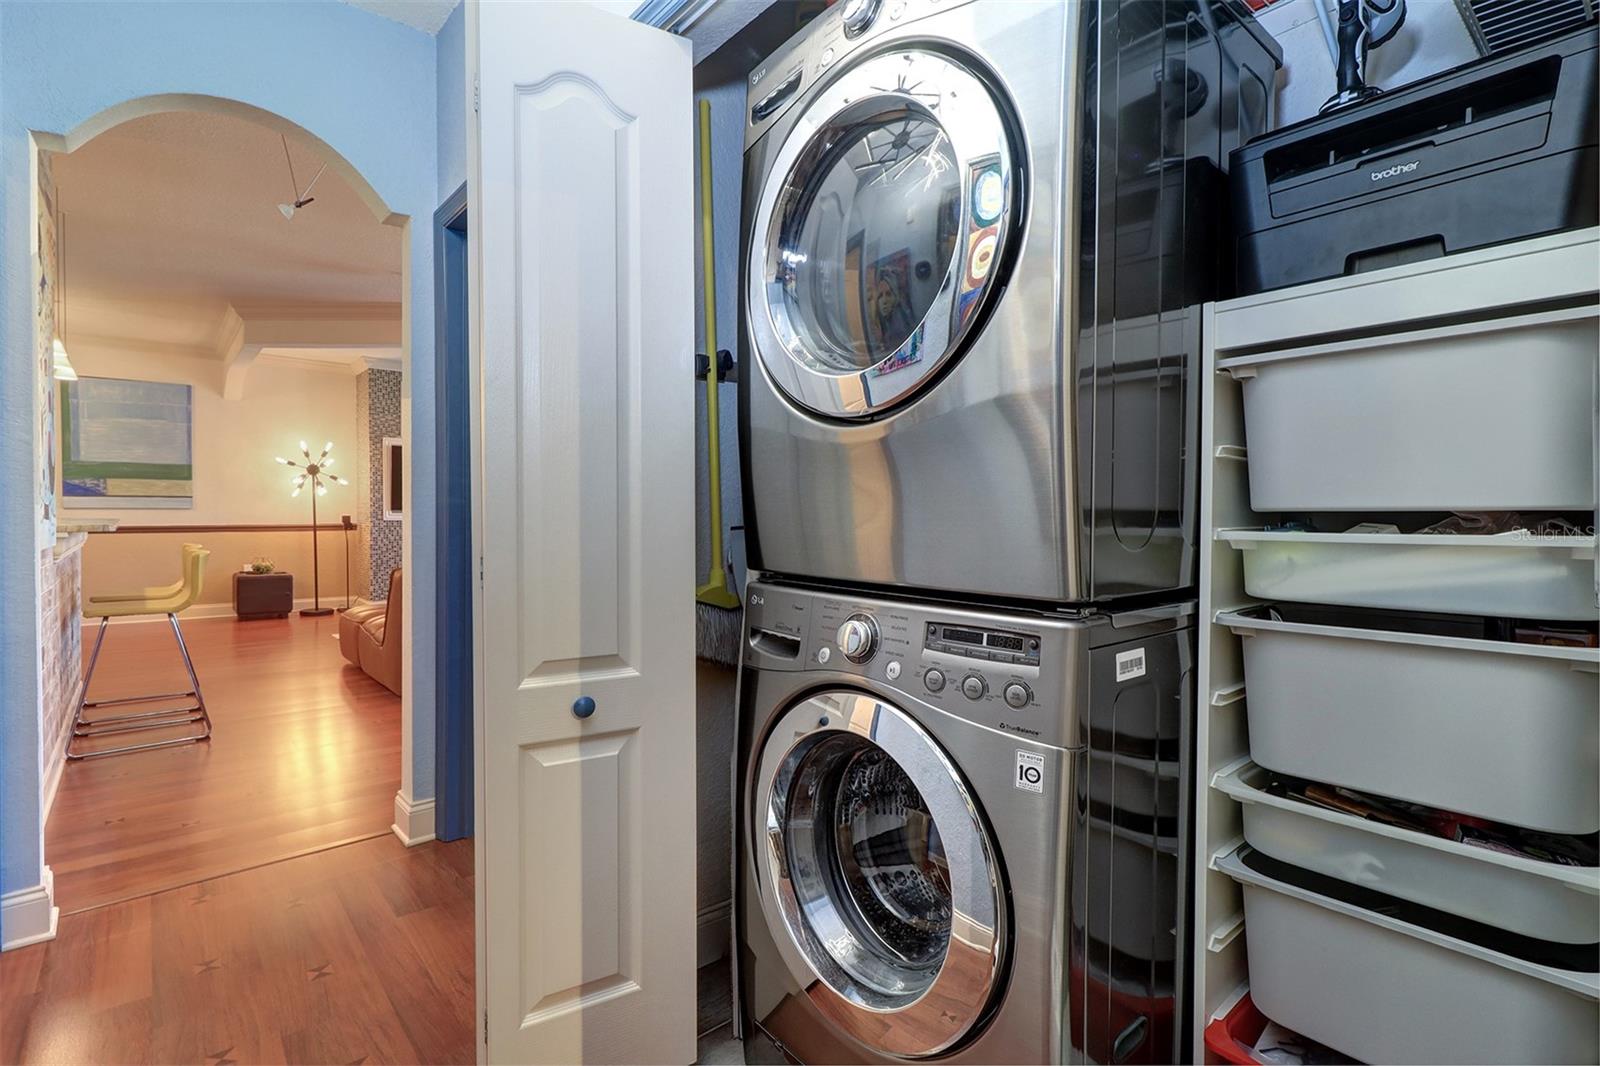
(1030, 771)
(1130, 664)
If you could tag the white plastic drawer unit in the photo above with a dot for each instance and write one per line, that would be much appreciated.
(1502, 730)
(1494, 415)
(1509, 574)
(1542, 900)
(1384, 990)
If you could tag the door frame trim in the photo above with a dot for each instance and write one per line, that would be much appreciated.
(453, 711)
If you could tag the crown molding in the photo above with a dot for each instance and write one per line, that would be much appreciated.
(142, 346)
(317, 312)
(379, 362)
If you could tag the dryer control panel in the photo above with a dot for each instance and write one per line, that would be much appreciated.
(1022, 674)
(816, 51)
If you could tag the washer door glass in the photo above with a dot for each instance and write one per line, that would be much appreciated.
(880, 876)
(879, 232)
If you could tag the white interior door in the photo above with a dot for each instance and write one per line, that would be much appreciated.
(581, 221)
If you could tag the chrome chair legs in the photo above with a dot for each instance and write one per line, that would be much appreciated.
(192, 714)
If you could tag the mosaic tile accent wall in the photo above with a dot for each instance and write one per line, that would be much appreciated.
(62, 638)
(360, 509)
(378, 416)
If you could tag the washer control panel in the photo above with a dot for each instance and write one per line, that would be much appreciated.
(1008, 672)
(858, 637)
(984, 645)
(1044, 677)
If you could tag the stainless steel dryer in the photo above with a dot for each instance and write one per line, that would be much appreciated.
(960, 832)
(976, 238)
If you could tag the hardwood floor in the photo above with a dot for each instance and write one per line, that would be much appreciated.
(304, 754)
(362, 953)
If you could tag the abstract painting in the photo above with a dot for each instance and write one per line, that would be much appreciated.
(126, 444)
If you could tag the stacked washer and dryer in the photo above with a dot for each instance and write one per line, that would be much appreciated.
(976, 240)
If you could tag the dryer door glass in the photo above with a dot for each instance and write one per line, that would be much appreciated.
(868, 236)
(880, 876)
(880, 232)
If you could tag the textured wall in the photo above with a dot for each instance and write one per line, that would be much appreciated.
(363, 84)
(60, 644)
(378, 412)
(60, 604)
(44, 334)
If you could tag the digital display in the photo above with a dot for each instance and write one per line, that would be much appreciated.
(984, 644)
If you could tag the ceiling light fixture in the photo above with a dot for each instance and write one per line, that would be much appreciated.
(300, 199)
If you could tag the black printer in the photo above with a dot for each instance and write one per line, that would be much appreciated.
(1498, 150)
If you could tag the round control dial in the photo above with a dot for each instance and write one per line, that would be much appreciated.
(934, 679)
(858, 637)
(1017, 694)
(858, 15)
(974, 687)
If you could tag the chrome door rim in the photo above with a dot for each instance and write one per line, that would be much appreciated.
(937, 1017)
(969, 117)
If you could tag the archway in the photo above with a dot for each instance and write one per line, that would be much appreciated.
(111, 118)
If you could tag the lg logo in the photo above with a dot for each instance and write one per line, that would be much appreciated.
(1030, 771)
(1397, 169)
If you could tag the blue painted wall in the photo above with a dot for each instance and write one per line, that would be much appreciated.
(365, 85)
(452, 82)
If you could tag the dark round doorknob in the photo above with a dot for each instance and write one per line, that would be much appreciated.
(583, 706)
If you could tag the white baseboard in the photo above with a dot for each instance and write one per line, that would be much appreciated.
(29, 915)
(413, 820)
(209, 610)
(713, 931)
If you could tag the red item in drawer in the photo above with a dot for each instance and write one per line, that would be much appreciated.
(1110, 1012)
(1232, 1037)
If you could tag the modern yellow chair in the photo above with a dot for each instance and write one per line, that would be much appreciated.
(167, 600)
(158, 592)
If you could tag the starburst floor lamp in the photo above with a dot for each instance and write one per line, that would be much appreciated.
(316, 472)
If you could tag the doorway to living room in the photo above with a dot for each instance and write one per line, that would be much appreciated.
(227, 439)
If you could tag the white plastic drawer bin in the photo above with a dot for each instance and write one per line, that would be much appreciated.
(1543, 900)
(1520, 576)
(1382, 990)
(1485, 416)
(1509, 732)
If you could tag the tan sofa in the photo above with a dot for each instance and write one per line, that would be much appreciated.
(370, 636)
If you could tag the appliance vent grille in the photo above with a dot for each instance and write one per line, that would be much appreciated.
(1497, 25)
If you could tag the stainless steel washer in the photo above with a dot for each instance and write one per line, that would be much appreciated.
(976, 238)
(961, 831)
